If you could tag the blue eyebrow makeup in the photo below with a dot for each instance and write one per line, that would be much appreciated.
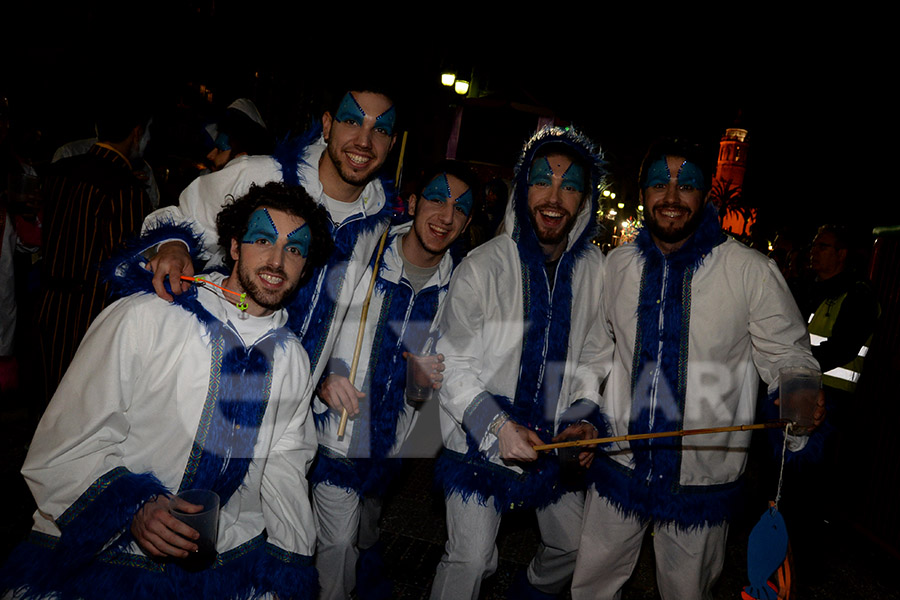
(387, 120)
(540, 172)
(574, 177)
(300, 239)
(658, 173)
(260, 227)
(438, 190)
(350, 110)
(688, 174)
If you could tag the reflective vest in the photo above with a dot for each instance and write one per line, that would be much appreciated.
(821, 323)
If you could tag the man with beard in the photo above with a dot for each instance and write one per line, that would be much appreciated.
(516, 329)
(695, 320)
(352, 472)
(337, 165)
(209, 392)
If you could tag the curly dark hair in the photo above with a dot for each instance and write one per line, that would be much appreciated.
(231, 222)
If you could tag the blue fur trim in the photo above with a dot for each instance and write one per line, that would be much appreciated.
(102, 513)
(473, 477)
(289, 153)
(524, 235)
(286, 574)
(240, 383)
(651, 489)
(664, 405)
(328, 281)
(125, 272)
(365, 476)
(243, 573)
(236, 403)
(662, 500)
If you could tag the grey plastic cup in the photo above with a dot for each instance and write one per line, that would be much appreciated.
(418, 379)
(799, 395)
(205, 522)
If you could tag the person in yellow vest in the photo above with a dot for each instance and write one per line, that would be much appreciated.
(843, 312)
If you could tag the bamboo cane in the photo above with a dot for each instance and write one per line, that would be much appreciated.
(661, 434)
(342, 426)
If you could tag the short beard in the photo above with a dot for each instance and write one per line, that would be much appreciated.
(551, 240)
(673, 236)
(253, 291)
(334, 157)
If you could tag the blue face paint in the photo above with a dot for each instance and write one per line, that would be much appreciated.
(261, 227)
(542, 174)
(658, 173)
(438, 190)
(222, 142)
(574, 178)
(299, 239)
(688, 174)
(351, 112)
(385, 121)
(465, 202)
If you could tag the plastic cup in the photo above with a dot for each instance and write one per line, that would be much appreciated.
(418, 377)
(205, 522)
(799, 395)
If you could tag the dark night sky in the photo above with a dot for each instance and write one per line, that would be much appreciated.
(802, 109)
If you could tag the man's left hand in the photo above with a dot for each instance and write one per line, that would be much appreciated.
(580, 431)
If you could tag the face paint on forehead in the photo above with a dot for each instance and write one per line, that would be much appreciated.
(658, 173)
(351, 110)
(690, 174)
(260, 227)
(542, 172)
(438, 190)
(300, 239)
(574, 177)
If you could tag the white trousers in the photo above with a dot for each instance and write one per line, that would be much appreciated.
(688, 564)
(470, 554)
(345, 524)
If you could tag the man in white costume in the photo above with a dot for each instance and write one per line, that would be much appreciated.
(696, 318)
(338, 166)
(518, 324)
(211, 392)
(352, 472)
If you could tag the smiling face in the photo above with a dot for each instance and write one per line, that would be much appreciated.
(440, 215)
(359, 136)
(269, 259)
(557, 188)
(673, 201)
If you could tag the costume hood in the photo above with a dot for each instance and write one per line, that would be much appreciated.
(517, 223)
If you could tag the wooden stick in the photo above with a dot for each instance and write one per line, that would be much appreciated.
(662, 434)
(342, 426)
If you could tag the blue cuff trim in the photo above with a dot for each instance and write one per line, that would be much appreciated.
(479, 415)
(102, 514)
